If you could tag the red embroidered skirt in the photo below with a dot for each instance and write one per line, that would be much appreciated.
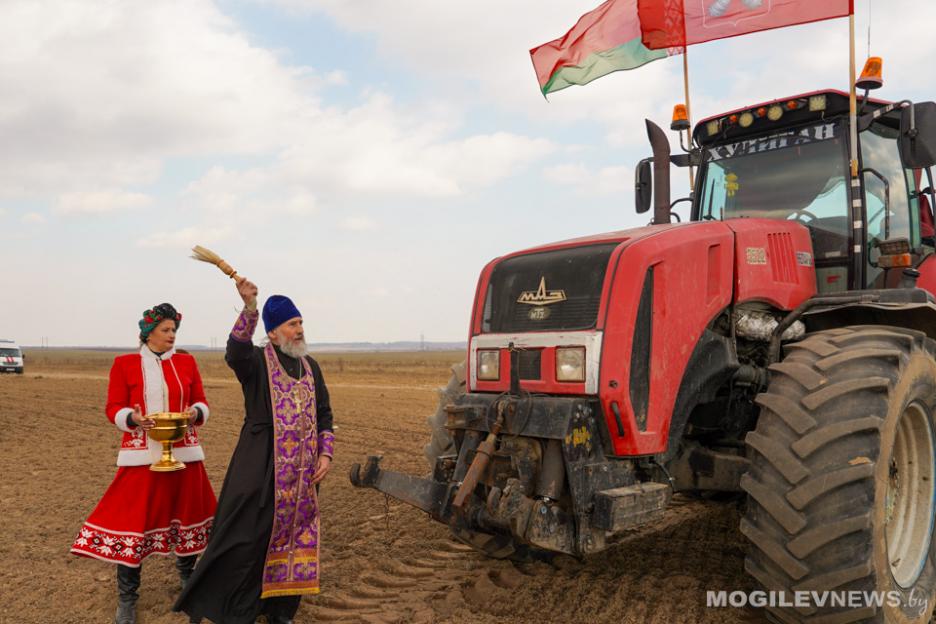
(144, 513)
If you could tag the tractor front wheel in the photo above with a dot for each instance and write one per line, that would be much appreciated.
(841, 486)
(440, 442)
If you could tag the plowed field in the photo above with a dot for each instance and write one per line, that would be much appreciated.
(382, 561)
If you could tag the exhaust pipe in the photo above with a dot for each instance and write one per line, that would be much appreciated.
(661, 173)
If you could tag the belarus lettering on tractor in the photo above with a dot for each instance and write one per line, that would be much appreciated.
(779, 344)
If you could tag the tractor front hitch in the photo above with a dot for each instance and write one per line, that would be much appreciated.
(433, 497)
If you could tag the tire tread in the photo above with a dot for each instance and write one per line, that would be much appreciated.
(815, 442)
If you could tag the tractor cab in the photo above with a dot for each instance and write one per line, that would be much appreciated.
(789, 160)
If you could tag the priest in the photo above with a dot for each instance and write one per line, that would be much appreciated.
(263, 554)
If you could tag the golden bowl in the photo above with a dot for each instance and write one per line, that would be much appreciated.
(170, 428)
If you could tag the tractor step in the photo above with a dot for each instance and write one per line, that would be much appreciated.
(623, 508)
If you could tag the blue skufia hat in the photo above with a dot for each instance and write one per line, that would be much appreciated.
(277, 310)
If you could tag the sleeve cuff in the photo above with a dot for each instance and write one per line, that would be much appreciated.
(326, 443)
(122, 419)
(246, 324)
(203, 412)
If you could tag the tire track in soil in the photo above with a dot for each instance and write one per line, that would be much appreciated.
(400, 584)
(658, 574)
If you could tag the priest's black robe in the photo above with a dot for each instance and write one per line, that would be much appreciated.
(226, 585)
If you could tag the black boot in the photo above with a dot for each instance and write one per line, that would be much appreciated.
(185, 565)
(281, 610)
(128, 582)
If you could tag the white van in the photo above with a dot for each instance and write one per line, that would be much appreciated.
(11, 357)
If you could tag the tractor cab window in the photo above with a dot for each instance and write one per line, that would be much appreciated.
(798, 175)
(901, 218)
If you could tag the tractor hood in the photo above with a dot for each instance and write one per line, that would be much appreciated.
(566, 286)
(607, 295)
(555, 287)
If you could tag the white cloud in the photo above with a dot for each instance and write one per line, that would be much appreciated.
(379, 147)
(380, 292)
(99, 202)
(337, 78)
(373, 151)
(358, 224)
(186, 237)
(33, 218)
(614, 180)
(569, 174)
(98, 93)
(300, 203)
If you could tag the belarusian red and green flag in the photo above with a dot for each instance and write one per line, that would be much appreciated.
(625, 34)
(602, 41)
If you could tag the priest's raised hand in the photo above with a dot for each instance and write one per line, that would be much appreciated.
(248, 292)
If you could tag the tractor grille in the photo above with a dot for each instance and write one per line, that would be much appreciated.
(571, 314)
(548, 291)
(782, 257)
(531, 364)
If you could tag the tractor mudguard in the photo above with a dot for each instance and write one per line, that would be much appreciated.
(909, 308)
(712, 364)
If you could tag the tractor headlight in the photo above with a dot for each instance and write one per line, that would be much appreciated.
(489, 364)
(570, 364)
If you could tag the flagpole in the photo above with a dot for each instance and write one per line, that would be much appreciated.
(852, 96)
(857, 202)
(685, 65)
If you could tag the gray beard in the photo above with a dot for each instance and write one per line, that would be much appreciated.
(294, 348)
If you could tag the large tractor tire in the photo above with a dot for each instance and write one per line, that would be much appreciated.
(841, 485)
(440, 442)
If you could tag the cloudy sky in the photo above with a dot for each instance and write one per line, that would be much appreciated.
(366, 157)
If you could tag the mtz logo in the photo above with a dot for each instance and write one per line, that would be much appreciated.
(542, 296)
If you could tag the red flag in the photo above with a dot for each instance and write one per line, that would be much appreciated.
(677, 23)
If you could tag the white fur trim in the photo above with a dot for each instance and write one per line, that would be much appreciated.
(204, 411)
(121, 418)
(143, 457)
(155, 392)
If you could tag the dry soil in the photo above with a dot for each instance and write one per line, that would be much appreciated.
(382, 561)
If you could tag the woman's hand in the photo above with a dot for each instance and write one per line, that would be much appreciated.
(321, 468)
(140, 420)
(248, 292)
(192, 415)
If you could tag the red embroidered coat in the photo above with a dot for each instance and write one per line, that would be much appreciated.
(181, 387)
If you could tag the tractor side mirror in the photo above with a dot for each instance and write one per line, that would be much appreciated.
(918, 135)
(643, 185)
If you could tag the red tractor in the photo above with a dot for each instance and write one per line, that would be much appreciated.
(780, 344)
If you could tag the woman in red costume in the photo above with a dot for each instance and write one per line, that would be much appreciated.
(144, 512)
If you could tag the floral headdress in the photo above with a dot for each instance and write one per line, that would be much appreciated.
(156, 315)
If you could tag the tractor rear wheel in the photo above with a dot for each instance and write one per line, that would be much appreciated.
(841, 485)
